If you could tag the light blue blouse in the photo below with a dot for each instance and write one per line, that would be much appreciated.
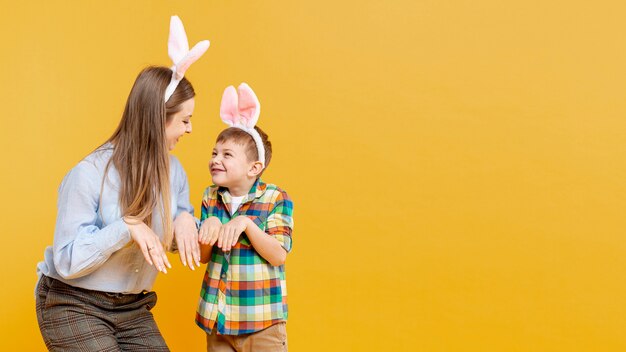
(92, 247)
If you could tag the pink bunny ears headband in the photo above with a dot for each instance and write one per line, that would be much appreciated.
(242, 111)
(182, 57)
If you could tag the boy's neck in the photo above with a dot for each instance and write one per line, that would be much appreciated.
(241, 189)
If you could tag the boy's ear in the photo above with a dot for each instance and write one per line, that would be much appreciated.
(255, 169)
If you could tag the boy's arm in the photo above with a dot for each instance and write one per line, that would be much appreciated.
(209, 227)
(209, 232)
(267, 246)
(274, 243)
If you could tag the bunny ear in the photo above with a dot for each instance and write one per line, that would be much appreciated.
(228, 109)
(249, 106)
(177, 44)
(191, 57)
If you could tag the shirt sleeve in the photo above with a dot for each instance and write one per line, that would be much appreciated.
(182, 189)
(80, 245)
(182, 196)
(204, 209)
(280, 221)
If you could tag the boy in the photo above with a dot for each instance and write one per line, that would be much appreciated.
(245, 237)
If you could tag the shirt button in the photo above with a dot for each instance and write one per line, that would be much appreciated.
(223, 275)
(136, 270)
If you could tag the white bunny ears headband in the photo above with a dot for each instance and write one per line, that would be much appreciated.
(242, 111)
(182, 57)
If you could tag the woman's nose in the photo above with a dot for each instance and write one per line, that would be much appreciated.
(188, 128)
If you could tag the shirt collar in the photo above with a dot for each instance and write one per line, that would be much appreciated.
(256, 191)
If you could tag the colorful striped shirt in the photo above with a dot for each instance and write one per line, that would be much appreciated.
(242, 292)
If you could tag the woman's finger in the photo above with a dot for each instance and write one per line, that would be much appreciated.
(155, 253)
(166, 261)
(182, 251)
(188, 254)
(195, 249)
(146, 254)
(156, 259)
(193, 239)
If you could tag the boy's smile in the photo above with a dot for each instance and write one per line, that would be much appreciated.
(230, 167)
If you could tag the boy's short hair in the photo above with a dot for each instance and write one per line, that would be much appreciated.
(241, 137)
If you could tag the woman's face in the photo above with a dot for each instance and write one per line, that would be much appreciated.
(179, 124)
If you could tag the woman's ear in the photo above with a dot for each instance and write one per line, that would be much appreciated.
(255, 169)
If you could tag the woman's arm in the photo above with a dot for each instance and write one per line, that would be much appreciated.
(185, 224)
(80, 246)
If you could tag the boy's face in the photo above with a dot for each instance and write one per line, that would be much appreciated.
(230, 166)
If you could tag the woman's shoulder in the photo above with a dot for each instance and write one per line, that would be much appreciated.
(88, 171)
(94, 161)
(99, 158)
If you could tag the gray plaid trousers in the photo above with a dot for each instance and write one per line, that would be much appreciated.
(76, 319)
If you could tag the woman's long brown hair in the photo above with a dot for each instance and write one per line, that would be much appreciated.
(141, 154)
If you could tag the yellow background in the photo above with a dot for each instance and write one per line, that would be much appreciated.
(457, 167)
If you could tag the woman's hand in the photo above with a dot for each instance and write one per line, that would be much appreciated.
(149, 243)
(210, 230)
(186, 236)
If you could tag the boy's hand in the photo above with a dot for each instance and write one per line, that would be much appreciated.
(210, 230)
(230, 232)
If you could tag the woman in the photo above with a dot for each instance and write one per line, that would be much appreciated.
(114, 223)
(119, 210)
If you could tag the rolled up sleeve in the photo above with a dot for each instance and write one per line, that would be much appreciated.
(280, 221)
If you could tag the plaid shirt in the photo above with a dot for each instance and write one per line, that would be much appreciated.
(242, 292)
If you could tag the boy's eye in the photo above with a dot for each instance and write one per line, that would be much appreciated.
(214, 154)
(228, 154)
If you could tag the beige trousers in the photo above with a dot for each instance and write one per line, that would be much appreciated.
(271, 339)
